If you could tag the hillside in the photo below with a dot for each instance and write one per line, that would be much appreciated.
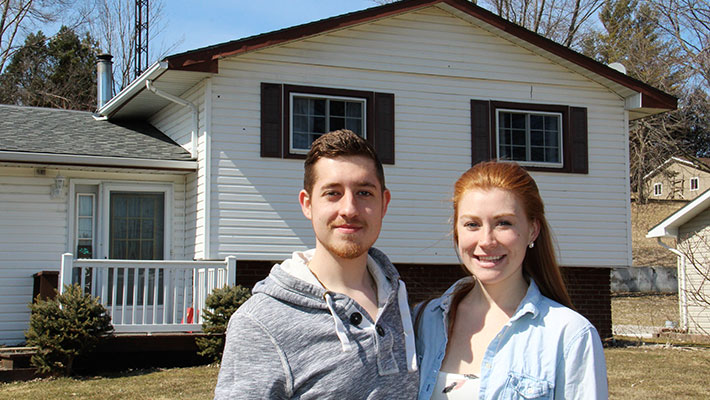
(646, 252)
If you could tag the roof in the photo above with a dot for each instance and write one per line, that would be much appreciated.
(176, 71)
(26, 132)
(669, 226)
(690, 163)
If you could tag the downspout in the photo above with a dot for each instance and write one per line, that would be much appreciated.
(681, 278)
(184, 103)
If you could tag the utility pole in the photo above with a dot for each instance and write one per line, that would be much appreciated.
(140, 58)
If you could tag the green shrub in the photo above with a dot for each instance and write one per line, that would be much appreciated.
(64, 328)
(220, 304)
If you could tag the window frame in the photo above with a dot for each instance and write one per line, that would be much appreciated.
(528, 146)
(323, 92)
(75, 247)
(575, 142)
(695, 179)
(658, 192)
(290, 105)
(166, 189)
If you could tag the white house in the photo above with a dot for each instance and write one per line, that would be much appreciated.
(435, 85)
(690, 227)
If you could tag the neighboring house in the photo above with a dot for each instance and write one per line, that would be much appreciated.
(435, 85)
(690, 227)
(678, 179)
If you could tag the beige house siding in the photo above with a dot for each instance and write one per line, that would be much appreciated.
(675, 182)
(694, 242)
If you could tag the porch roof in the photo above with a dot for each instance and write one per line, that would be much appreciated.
(669, 226)
(28, 134)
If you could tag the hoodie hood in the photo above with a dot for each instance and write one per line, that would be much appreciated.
(292, 282)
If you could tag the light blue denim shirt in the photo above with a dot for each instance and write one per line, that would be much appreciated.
(545, 351)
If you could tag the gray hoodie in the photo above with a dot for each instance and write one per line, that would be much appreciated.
(294, 340)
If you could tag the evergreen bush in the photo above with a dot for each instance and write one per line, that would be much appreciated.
(220, 305)
(65, 328)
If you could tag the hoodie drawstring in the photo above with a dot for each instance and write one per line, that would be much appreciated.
(409, 343)
(339, 327)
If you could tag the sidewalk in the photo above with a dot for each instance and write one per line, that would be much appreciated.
(636, 331)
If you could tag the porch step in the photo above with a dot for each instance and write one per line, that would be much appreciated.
(16, 357)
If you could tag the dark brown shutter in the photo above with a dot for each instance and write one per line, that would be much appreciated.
(579, 158)
(480, 131)
(271, 117)
(384, 127)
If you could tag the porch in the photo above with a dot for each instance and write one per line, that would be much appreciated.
(149, 296)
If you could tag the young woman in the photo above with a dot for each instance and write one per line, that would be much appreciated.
(508, 330)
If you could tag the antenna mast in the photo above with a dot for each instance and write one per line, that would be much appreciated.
(140, 58)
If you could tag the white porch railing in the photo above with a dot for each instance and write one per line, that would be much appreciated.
(150, 296)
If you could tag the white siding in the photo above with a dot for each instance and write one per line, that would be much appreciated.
(176, 122)
(695, 239)
(435, 64)
(35, 229)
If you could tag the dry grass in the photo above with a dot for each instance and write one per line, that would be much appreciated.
(646, 252)
(657, 372)
(177, 383)
(644, 310)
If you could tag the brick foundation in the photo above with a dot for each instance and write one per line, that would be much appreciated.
(589, 288)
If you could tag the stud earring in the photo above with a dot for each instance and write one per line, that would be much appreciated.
(531, 245)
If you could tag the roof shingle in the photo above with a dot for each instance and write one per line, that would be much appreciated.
(56, 131)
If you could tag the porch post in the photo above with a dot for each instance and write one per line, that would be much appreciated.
(65, 271)
(231, 270)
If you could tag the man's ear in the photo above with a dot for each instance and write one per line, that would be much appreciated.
(386, 197)
(305, 200)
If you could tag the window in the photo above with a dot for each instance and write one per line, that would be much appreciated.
(312, 116)
(541, 137)
(694, 183)
(657, 189)
(529, 137)
(136, 226)
(292, 117)
(85, 225)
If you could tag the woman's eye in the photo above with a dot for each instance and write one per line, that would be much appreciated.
(470, 225)
(504, 223)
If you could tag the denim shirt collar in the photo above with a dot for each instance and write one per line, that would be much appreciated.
(529, 304)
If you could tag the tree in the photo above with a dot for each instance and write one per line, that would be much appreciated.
(113, 24)
(632, 37)
(688, 22)
(19, 16)
(57, 72)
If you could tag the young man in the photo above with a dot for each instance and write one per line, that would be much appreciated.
(332, 322)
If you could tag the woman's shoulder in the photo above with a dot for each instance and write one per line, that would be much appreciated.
(562, 317)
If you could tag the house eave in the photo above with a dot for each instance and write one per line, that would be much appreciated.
(182, 166)
(669, 227)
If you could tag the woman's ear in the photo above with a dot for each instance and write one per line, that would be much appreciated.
(534, 230)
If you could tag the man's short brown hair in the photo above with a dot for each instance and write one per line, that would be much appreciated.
(338, 143)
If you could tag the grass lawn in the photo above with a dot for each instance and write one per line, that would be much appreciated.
(657, 372)
(644, 310)
(176, 383)
(645, 372)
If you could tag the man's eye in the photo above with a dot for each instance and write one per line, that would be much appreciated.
(331, 193)
(364, 193)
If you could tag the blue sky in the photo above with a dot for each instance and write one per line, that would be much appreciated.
(193, 23)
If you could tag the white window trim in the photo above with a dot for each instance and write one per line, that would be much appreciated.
(76, 223)
(697, 183)
(106, 189)
(531, 163)
(658, 192)
(293, 150)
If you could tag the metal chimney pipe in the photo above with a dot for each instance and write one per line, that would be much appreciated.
(104, 79)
